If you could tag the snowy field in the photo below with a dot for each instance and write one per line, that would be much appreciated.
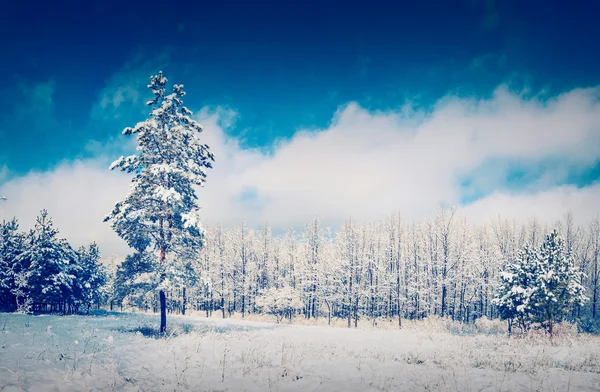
(116, 352)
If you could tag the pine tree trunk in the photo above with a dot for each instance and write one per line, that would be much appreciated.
(444, 293)
(183, 302)
(163, 311)
(163, 298)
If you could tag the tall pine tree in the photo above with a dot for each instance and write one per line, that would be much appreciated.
(160, 213)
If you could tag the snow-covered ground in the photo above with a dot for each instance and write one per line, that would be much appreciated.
(113, 352)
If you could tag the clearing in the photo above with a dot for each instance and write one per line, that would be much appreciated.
(116, 351)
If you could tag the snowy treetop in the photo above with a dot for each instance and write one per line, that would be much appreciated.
(170, 160)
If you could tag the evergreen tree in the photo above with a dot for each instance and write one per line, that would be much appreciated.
(136, 280)
(92, 276)
(540, 287)
(110, 265)
(47, 268)
(514, 295)
(160, 213)
(558, 283)
(11, 245)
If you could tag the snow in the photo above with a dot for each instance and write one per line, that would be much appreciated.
(109, 352)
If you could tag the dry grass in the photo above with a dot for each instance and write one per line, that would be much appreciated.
(112, 353)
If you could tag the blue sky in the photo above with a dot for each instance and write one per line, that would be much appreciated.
(265, 73)
(280, 66)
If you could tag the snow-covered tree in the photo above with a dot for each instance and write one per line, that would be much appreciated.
(181, 272)
(541, 286)
(558, 282)
(514, 295)
(110, 265)
(92, 276)
(281, 302)
(47, 268)
(314, 251)
(136, 280)
(161, 213)
(11, 245)
(218, 276)
(591, 260)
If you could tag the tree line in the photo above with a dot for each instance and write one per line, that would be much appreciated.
(387, 270)
(392, 269)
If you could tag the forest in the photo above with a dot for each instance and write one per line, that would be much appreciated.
(390, 269)
(381, 271)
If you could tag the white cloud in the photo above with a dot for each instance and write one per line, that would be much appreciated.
(77, 195)
(365, 165)
(549, 205)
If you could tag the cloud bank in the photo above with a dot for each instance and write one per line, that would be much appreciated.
(364, 165)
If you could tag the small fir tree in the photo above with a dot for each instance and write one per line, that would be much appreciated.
(540, 287)
(47, 267)
(11, 245)
(92, 276)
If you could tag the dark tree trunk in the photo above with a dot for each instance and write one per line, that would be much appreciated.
(183, 302)
(594, 301)
(444, 293)
(163, 312)
(350, 313)
(314, 300)
(356, 313)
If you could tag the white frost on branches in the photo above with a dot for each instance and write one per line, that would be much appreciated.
(540, 286)
(160, 210)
